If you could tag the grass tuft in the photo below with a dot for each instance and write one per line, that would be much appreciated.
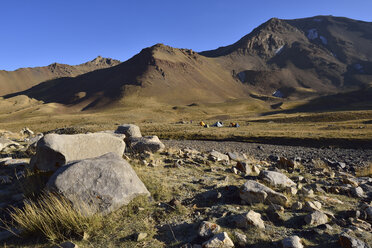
(364, 171)
(54, 217)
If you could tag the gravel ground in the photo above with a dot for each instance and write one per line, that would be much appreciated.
(355, 157)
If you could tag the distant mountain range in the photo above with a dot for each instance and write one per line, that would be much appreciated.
(296, 59)
(24, 78)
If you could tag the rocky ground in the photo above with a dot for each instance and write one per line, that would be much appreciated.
(353, 157)
(203, 193)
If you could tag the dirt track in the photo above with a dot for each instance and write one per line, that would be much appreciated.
(263, 151)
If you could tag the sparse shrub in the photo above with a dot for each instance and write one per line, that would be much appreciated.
(365, 171)
(54, 217)
(321, 165)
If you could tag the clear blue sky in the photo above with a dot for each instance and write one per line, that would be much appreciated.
(40, 32)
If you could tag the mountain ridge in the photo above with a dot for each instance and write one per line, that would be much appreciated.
(299, 58)
(24, 78)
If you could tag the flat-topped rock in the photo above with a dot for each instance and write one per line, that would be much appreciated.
(55, 150)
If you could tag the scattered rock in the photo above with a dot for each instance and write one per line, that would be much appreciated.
(291, 191)
(297, 205)
(237, 156)
(240, 238)
(208, 229)
(307, 192)
(220, 240)
(4, 143)
(130, 130)
(312, 206)
(256, 169)
(54, 150)
(147, 143)
(141, 236)
(292, 242)
(105, 183)
(275, 208)
(26, 132)
(254, 219)
(368, 211)
(358, 192)
(285, 163)
(218, 157)
(254, 192)
(316, 218)
(244, 167)
(276, 179)
(347, 241)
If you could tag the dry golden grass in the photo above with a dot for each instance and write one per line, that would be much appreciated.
(54, 217)
(160, 119)
(364, 171)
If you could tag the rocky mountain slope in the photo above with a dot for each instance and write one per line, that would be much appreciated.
(24, 78)
(296, 59)
(318, 55)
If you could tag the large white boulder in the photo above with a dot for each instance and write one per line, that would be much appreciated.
(103, 183)
(56, 150)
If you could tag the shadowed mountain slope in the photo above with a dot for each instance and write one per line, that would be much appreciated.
(168, 74)
(24, 78)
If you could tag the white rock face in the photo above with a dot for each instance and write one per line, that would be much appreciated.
(220, 240)
(276, 179)
(279, 50)
(56, 150)
(312, 34)
(323, 39)
(103, 183)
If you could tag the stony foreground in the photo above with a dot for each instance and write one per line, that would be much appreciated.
(237, 195)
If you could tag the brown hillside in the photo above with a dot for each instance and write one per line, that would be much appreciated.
(168, 74)
(24, 78)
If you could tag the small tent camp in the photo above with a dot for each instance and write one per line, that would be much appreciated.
(218, 124)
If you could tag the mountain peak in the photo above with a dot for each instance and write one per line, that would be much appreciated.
(101, 61)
